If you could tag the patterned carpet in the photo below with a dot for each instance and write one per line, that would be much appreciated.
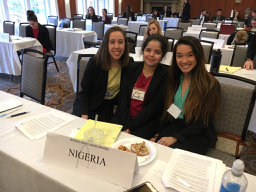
(60, 95)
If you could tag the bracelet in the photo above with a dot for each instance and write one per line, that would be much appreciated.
(248, 59)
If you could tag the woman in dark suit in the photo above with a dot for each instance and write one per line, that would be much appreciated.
(91, 14)
(236, 16)
(102, 77)
(129, 14)
(141, 96)
(36, 30)
(104, 17)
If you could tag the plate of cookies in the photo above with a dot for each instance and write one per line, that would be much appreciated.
(145, 150)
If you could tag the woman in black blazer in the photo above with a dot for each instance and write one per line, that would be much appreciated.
(91, 14)
(139, 114)
(102, 77)
(36, 30)
(129, 14)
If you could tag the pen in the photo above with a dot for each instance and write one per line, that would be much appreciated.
(227, 68)
(19, 114)
(9, 113)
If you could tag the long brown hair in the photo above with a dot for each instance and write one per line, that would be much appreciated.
(147, 29)
(103, 57)
(203, 99)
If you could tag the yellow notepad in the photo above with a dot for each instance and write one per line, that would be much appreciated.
(229, 69)
(110, 130)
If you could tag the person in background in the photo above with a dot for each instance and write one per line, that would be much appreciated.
(129, 14)
(104, 17)
(253, 24)
(250, 54)
(203, 17)
(141, 97)
(152, 28)
(195, 93)
(38, 31)
(186, 11)
(219, 16)
(165, 12)
(102, 77)
(155, 14)
(253, 14)
(91, 14)
(236, 16)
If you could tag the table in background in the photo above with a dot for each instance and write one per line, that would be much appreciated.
(68, 40)
(172, 22)
(22, 167)
(107, 26)
(9, 60)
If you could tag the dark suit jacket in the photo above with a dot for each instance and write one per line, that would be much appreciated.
(43, 36)
(132, 16)
(239, 19)
(94, 18)
(168, 13)
(153, 101)
(206, 18)
(251, 50)
(186, 11)
(107, 20)
(222, 18)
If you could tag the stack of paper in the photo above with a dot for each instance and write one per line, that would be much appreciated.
(7, 105)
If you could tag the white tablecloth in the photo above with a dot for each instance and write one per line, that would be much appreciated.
(69, 41)
(22, 167)
(172, 22)
(9, 61)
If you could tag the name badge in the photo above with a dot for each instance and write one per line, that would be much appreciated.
(138, 94)
(174, 111)
(109, 94)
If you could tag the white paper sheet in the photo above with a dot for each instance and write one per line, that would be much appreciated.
(10, 104)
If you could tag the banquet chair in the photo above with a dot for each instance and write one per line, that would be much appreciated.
(122, 21)
(170, 44)
(78, 16)
(149, 18)
(132, 40)
(33, 75)
(8, 27)
(79, 23)
(207, 47)
(110, 15)
(65, 22)
(237, 103)
(98, 27)
(184, 25)
(210, 25)
(52, 20)
(209, 33)
(22, 29)
(81, 65)
(239, 55)
(142, 30)
(195, 21)
(174, 32)
(52, 34)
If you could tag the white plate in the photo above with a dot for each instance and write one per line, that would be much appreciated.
(142, 160)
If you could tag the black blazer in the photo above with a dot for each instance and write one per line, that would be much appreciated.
(94, 18)
(168, 13)
(206, 18)
(132, 16)
(251, 50)
(186, 11)
(232, 36)
(43, 36)
(153, 102)
(238, 19)
(222, 18)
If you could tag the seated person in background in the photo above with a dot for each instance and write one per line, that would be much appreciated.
(236, 16)
(239, 37)
(203, 17)
(141, 97)
(253, 14)
(250, 54)
(175, 15)
(36, 30)
(129, 14)
(219, 16)
(102, 77)
(253, 24)
(152, 28)
(104, 17)
(155, 14)
(91, 14)
(198, 100)
(165, 12)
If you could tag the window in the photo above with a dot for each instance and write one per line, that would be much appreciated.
(101, 5)
(16, 10)
(38, 7)
(1, 17)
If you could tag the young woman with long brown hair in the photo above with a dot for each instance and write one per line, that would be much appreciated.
(152, 28)
(192, 101)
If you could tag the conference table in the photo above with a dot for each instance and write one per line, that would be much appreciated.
(69, 40)
(22, 167)
(9, 60)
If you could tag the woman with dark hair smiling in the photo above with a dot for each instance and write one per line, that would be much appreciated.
(102, 77)
(142, 90)
(192, 101)
(38, 31)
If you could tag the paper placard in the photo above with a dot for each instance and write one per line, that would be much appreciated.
(5, 37)
(95, 160)
(218, 43)
(195, 29)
